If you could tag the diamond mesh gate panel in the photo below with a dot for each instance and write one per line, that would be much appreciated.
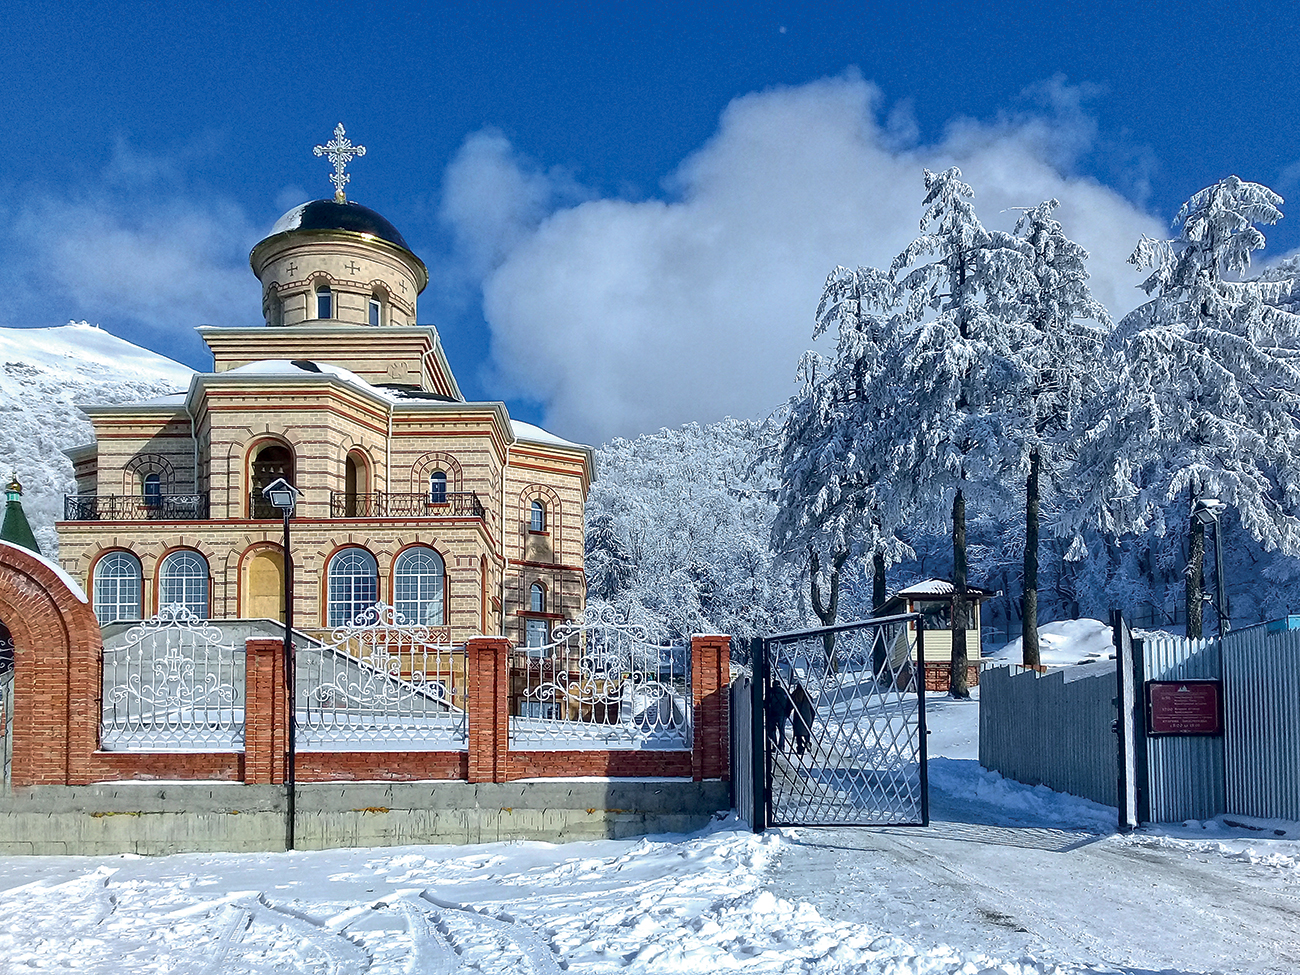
(845, 718)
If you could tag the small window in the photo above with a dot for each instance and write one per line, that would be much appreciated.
(537, 519)
(276, 316)
(937, 615)
(152, 490)
(537, 598)
(437, 488)
(324, 302)
(117, 587)
(183, 581)
(537, 633)
(376, 311)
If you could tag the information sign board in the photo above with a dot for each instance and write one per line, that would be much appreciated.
(1184, 707)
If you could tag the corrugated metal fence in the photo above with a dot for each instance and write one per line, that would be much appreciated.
(1051, 730)
(1184, 773)
(1261, 705)
(1058, 729)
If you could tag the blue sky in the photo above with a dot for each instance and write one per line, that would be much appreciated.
(627, 210)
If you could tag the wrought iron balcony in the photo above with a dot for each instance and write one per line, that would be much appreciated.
(134, 507)
(462, 504)
(260, 507)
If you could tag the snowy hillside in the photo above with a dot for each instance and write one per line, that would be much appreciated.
(43, 373)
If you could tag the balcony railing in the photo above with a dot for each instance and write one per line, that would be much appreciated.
(259, 507)
(130, 507)
(464, 504)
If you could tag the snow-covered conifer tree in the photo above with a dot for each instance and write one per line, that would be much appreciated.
(1206, 392)
(1060, 361)
(957, 375)
(828, 456)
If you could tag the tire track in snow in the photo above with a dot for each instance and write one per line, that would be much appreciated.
(496, 934)
(342, 955)
(234, 920)
(431, 953)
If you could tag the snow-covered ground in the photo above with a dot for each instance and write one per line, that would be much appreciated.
(1008, 879)
(1063, 643)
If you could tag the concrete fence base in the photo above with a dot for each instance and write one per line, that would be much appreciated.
(153, 819)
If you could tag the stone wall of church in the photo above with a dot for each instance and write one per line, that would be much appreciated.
(228, 548)
(130, 449)
(554, 556)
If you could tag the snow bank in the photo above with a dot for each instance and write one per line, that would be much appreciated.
(1063, 643)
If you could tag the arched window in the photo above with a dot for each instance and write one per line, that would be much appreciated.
(376, 311)
(437, 488)
(354, 485)
(353, 579)
(537, 598)
(418, 577)
(117, 586)
(183, 581)
(152, 490)
(324, 302)
(537, 517)
(276, 310)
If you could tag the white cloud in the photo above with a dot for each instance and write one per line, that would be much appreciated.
(138, 250)
(492, 198)
(621, 316)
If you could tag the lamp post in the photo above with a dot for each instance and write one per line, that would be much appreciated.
(284, 496)
(1208, 511)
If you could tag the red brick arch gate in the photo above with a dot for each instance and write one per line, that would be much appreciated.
(56, 670)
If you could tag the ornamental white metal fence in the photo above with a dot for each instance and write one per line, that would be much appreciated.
(174, 684)
(601, 684)
(381, 683)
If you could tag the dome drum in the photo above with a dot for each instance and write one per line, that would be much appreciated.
(343, 263)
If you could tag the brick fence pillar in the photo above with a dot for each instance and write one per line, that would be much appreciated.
(486, 704)
(266, 713)
(711, 685)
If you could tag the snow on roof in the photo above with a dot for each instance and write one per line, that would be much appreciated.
(938, 587)
(299, 368)
(535, 434)
(54, 567)
(167, 399)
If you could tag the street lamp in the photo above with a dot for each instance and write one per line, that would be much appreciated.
(1208, 511)
(284, 496)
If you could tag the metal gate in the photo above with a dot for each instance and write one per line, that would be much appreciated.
(838, 726)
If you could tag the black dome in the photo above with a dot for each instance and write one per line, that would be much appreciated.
(330, 215)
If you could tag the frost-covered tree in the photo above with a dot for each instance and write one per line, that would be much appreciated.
(955, 376)
(828, 459)
(1059, 356)
(678, 524)
(1206, 394)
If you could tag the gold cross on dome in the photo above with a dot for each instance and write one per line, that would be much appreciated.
(339, 151)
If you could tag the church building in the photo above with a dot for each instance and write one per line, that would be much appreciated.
(461, 518)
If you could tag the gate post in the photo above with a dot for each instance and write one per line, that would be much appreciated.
(487, 701)
(757, 721)
(710, 670)
(1128, 740)
(266, 703)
